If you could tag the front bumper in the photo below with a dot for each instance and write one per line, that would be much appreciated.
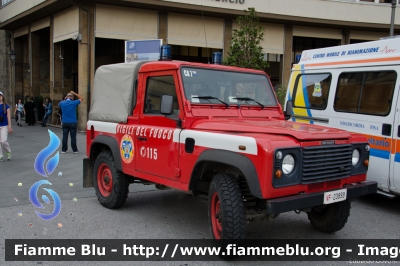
(304, 201)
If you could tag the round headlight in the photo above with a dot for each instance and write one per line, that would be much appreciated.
(367, 147)
(355, 157)
(278, 155)
(288, 164)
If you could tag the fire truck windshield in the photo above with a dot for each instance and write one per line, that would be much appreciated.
(210, 86)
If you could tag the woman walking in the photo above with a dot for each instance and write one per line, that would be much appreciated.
(5, 127)
(19, 110)
(49, 109)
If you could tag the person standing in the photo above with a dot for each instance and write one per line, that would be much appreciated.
(19, 109)
(29, 110)
(69, 120)
(5, 127)
(49, 109)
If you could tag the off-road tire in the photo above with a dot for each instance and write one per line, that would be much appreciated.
(111, 194)
(330, 218)
(225, 199)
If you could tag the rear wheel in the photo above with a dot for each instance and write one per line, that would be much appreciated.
(330, 218)
(111, 185)
(226, 210)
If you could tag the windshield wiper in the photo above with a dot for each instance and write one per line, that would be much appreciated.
(249, 99)
(211, 98)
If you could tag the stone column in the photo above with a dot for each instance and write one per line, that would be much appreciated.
(58, 71)
(227, 36)
(162, 26)
(55, 96)
(35, 64)
(287, 57)
(346, 37)
(5, 68)
(85, 63)
(17, 73)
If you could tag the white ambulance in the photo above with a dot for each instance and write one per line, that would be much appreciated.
(354, 87)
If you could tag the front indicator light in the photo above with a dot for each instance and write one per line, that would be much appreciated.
(288, 164)
(278, 174)
(355, 157)
(366, 162)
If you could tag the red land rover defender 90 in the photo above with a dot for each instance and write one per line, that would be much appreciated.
(218, 133)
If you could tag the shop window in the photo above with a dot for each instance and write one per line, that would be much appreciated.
(312, 91)
(156, 88)
(105, 47)
(6, 2)
(193, 53)
(272, 57)
(365, 92)
(306, 43)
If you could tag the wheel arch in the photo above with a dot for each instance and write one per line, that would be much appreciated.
(102, 143)
(232, 159)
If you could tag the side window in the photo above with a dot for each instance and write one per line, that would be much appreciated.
(312, 91)
(156, 87)
(365, 92)
(348, 92)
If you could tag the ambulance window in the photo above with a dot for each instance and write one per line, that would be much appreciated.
(156, 87)
(368, 93)
(312, 91)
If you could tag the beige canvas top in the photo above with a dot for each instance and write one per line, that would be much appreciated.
(113, 93)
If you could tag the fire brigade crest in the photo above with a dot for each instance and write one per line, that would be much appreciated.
(126, 149)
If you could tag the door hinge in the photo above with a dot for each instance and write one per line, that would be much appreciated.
(177, 172)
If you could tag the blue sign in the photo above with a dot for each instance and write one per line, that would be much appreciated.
(142, 50)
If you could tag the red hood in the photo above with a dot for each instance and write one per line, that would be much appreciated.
(299, 131)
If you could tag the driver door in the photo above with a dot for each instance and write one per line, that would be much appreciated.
(156, 152)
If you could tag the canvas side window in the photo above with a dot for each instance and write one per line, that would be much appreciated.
(365, 92)
(312, 91)
(156, 87)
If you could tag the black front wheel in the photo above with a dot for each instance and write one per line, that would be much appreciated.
(110, 184)
(330, 218)
(226, 210)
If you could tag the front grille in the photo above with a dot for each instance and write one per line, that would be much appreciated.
(326, 163)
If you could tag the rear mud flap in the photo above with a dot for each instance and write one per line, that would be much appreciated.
(87, 173)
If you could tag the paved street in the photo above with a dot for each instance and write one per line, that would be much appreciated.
(148, 213)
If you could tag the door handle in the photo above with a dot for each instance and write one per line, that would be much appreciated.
(142, 138)
(386, 129)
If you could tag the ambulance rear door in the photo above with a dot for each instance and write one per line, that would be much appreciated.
(395, 154)
(365, 102)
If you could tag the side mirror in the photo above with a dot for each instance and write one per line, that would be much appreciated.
(289, 110)
(167, 104)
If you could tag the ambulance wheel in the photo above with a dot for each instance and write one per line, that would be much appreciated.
(110, 184)
(226, 210)
(330, 218)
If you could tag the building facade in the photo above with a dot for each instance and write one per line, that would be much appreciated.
(59, 44)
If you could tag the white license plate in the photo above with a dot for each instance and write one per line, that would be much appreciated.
(335, 196)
